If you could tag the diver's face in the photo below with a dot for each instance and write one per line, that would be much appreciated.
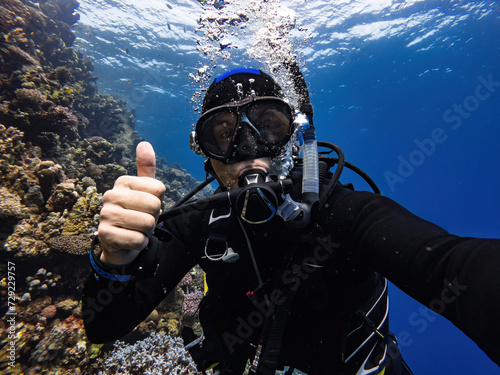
(224, 128)
(230, 173)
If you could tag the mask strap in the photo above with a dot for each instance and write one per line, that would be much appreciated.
(209, 169)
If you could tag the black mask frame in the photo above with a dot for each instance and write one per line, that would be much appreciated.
(244, 125)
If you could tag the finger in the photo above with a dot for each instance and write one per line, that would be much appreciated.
(128, 219)
(144, 184)
(146, 160)
(140, 201)
(115, 239)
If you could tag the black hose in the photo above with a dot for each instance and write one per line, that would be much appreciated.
(354, 168)
(213, 201)
(364, 176)
(322, 169)
(189, 195)
(338, 170)
(221, 199)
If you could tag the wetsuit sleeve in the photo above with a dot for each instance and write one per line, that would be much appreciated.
(111, 309)
(457, 277)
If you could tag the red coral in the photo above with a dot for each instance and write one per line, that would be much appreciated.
(94, 171)
(191, 302)
(49, 312)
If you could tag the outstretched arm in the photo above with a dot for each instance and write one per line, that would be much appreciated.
(457, 277)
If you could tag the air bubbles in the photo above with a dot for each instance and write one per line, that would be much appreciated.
(239, 90)
(201, 75)
(271, 37)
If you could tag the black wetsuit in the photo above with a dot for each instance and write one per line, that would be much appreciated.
(338, 320)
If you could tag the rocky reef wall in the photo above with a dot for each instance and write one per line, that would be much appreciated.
(62, 144)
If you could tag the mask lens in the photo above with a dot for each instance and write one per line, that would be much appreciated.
(217, 132)
(267, 124)
(272, 119)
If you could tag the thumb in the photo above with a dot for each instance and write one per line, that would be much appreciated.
(146, 160)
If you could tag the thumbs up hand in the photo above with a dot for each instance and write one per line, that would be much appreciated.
(130, 210)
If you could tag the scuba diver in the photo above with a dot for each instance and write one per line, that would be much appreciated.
(296, 263)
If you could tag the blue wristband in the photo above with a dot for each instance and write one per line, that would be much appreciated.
(99, 270)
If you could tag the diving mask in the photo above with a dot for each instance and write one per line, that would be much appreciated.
(255, 128)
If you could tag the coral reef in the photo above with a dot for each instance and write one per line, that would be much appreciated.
(191, 302)
(62, 144)
(72, 244)
(41, 281)
(157, 354)
(48, 91)
(11, 209)
(51, 346)
(49, 312)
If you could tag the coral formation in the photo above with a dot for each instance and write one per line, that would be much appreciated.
(51, 346)
(22, 242)
(41, 281)
(191, 302)
(49, 175)
(63, 197)
(49, 312)
(67, 306)
(11, 209)
(157, 354)
(33, 199)
(62, 144)
(72, 244)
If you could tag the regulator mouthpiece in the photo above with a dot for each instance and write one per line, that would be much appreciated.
(252, 176)
(257, 203)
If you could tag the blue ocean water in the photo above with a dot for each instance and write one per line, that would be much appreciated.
(409, 89)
